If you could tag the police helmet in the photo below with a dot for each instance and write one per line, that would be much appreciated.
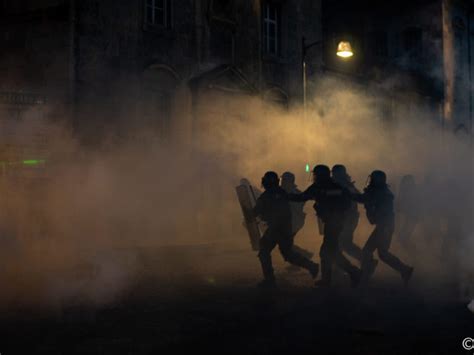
(378, 178)
(321, 172)
(288, 176)
(339, 171)
(270, 179)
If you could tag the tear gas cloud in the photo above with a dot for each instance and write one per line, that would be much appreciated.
(99, 210)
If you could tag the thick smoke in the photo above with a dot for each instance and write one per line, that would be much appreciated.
(85, 231)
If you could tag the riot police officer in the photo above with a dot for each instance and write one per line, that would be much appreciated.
(351, 220)
(378, 201)
(331, 204)
(273, 207)
(298, 216)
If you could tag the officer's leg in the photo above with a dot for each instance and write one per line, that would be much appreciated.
(290, 255)
(328, 250)
(347, 266)
(298, 249)
(346, 240)
(341, 261)
(383, 246)
(267, 243)
(302, 251)
(368, 263)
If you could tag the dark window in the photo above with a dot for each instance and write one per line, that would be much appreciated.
(413, 41)
(158, 13)
(271, 28)
(222, 28)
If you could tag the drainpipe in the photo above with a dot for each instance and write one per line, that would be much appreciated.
(72, 64)
(198, 23)
(260, 46)
(198, 30)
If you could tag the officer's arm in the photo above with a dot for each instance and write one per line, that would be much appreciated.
(306, 195)
(354, 190)
(358, 197)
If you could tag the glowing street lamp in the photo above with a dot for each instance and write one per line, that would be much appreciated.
(344, 50)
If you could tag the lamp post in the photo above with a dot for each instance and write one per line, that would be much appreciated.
(344, 50)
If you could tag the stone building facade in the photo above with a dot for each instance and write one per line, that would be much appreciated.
(109, 66)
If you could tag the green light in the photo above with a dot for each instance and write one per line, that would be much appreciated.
(33, 162)
(307, 168)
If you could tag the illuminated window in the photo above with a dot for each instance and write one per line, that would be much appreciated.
(271, 28)
(158, 13)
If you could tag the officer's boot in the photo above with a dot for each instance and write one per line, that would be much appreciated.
(356, 276)
(267, 269)
(301, 261)
(368, 266)
(406, 274)
(326, 273)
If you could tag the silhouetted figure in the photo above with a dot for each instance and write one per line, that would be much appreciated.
(431, 208)
(378, 201)
(409, 210)
(331, 203)
(351, 220)
(298, 216)
(274, 208)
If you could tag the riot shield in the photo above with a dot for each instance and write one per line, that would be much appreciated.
(247, 200)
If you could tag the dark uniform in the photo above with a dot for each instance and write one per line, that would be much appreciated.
(351, 220)
(378, 201)
(331, 203)
(273, 207)
(297, 210)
